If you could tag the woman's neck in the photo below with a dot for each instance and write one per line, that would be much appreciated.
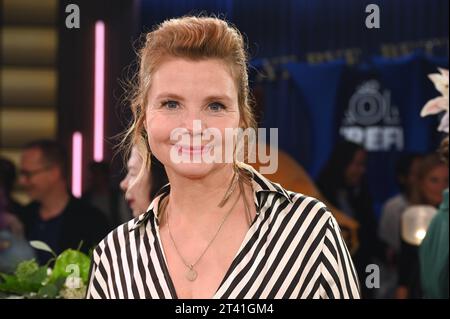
(196, 198)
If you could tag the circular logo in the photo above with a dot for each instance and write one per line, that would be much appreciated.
(367, 107)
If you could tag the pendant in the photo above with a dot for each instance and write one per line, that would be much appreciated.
(191, 275)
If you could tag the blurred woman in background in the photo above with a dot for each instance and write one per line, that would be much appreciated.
(342, 182)
(141, 189)
(433, 252)
(432, 180)
(389, 232)
(406, 170)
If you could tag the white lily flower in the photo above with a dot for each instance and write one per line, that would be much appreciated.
(439, 104)
(443, 126)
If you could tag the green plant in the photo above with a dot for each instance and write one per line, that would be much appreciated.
(66, 279)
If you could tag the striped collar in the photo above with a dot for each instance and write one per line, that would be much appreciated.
(260, 185)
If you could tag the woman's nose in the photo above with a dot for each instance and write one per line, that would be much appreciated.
(124, 184)
(22, 180)
(194, 122)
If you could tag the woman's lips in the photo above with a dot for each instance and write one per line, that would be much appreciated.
(130, 203)
(193, 149)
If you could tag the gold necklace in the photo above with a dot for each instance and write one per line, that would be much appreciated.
(230, 189)
(192, 274)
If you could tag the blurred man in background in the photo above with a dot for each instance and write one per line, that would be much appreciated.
(54, 216)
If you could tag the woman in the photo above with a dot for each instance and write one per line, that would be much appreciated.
(389, 228)
(433, 252)
(432, 180)
(140, 189)
(219, 229)
(406, 170)
(342, 181)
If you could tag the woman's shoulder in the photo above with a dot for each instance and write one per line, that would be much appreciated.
(306, 212)
(273, 197)
(307, 207)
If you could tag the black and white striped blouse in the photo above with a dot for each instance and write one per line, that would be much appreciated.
(293, 249)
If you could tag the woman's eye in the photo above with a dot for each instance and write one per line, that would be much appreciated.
(170, 104)
(216, 106)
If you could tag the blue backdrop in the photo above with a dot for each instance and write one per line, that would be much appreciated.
(373, 97)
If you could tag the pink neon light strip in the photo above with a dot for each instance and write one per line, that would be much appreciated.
(77, 157)
(99, 90)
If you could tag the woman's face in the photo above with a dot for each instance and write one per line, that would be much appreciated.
(356, 169)
(184, 91)
(434, 183)
(137, 191)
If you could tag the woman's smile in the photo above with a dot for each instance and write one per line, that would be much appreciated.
(189, 149)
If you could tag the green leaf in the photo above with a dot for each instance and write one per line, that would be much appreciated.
(29, 277)
(25, 269)
(37, 279)
(71, 262)
(40, 245)
(48, 291)
(32, 281)
(59, 283)
(10, 284)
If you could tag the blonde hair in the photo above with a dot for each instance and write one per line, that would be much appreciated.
(427, 164)
(192, 38)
